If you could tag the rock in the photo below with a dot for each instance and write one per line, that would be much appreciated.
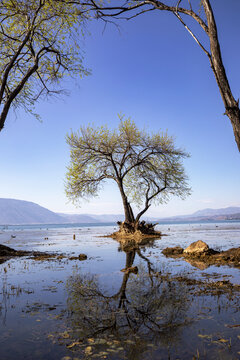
(199, 255)
(82, 257)
(169, 251)
(233, 254)
(196, 248)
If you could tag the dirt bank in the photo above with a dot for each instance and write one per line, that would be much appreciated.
(7, 253)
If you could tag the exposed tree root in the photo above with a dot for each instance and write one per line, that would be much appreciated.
(136, 231)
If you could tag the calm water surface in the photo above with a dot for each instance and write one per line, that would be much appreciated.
(70, 309)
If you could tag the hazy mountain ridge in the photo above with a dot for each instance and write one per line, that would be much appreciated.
(91, 218)
(17, 212)
(229, 213)
(215, 212)
(76, 218)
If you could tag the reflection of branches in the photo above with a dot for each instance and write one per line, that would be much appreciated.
(3, 303)
(145, 306)
(131, 250)
(149, 264)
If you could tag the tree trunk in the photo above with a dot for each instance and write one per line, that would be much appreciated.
(233, 114)
(129, 217)
(230, 104)
(141, 213)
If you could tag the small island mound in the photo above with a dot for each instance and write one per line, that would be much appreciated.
(135, 231)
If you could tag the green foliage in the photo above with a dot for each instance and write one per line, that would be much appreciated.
(146, 167)
(39, 47)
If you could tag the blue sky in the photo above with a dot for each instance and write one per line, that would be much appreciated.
(153, 72)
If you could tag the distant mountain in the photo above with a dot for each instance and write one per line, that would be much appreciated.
(216, 212)
(89, 218)
(21, 212)
(229, 213)
(233, 217)
(17, 212)
(78, 218)
(109, 217)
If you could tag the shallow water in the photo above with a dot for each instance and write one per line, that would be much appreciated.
(56, 308)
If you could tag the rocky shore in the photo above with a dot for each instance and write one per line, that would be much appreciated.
(200, 255)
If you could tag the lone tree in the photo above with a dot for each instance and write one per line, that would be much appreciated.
(146, 168)
(183, 10)
(39, 46)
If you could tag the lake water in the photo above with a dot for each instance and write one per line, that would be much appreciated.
(63, 308)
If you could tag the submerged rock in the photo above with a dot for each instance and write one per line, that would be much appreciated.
(177, 250)
(80, 257)
(132, 269)
(197, 247)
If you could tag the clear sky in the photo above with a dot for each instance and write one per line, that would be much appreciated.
(154, 72)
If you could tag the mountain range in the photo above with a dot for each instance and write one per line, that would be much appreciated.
(19, 212)
(15, 212)
(229, 213)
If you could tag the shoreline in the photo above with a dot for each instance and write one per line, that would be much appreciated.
(219, 224)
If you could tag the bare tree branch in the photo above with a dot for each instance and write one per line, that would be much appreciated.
(129, 10)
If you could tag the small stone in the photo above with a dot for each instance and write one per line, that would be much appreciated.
(82, 257)
(197, 247)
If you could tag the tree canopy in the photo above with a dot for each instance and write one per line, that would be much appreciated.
(146, 167)
(39, 46)
(205, 34)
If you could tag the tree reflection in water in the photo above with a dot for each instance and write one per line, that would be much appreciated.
(147, 311)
